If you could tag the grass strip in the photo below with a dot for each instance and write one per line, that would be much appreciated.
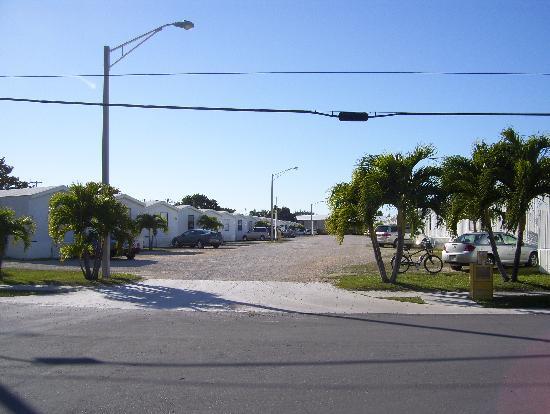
(409, 299)
(13, 276)
(366, 277)
(10, 293)
(523, 301)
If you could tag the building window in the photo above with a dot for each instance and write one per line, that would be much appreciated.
(190, 221)
(164, 215)
(226, 225)
(240, 225)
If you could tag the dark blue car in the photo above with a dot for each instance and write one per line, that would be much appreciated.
(198, 238)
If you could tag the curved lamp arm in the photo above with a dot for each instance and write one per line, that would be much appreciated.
(185, 24)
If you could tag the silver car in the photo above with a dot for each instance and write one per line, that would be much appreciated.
(387, 234)
(463, 250)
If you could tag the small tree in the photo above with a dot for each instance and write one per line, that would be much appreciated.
(7, 181)
(90, 212)
(151, 222)
(20, 228)
(209, 223)
(410, 188)
(473, 192)
(523, 166)
(262, 223)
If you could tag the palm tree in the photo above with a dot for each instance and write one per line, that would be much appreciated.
(20, 228)
(473, 193)
(524, 168)
(209, 223)
(411, 189)
(90, 212)
(152, 222)
(355, 205)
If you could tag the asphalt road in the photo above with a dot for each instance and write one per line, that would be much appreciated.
(63, 360)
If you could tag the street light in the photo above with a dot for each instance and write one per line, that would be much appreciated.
(273, 178)
(311, 213)
(107, 65)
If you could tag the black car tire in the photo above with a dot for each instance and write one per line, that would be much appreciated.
(395, 244)
(533, 260)
(262, 237)
(130, 256)
(215, 246)
(458, 268)
(200, 245)
(245, 238)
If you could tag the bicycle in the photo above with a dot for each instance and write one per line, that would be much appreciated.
(432, 263)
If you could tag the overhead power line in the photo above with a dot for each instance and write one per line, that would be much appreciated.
(176, 107)
(289, 72)
(342, 115)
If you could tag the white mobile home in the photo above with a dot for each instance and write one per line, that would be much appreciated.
(135, 207)
(32, 202)
(227, 219)
(188, 218)
(170, 214)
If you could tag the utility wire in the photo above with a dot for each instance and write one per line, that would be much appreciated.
(190, 108)
(332, 114)
(291, 72)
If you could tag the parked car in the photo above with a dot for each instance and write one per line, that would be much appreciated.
(387, 234)
(300, 232)
(258, 233)
(198, 238)
(288, 233)
(463, 250)
(128, 251)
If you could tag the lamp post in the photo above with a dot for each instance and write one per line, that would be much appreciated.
(107, 65)
(311, 213)
(273, 178)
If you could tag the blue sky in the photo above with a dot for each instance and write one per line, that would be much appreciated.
(167, 154)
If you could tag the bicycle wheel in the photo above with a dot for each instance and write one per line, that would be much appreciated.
(405, 263)
(433, 264)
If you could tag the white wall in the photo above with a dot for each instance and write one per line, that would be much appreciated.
(184, 214)
(163, 239)
(42, 246)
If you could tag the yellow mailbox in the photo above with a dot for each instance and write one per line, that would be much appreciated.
(481, 278)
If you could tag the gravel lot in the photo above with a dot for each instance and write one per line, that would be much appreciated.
(302, 259)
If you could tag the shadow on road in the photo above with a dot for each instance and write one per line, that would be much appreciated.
(161, 297)
(13, 402)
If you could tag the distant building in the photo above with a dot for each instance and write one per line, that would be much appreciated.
(33, 202)
(319, 222)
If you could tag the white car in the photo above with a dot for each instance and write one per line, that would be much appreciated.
(463, 250)
(387, 234)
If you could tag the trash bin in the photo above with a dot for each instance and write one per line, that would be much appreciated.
(481, 278)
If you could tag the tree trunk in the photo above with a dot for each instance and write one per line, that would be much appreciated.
(400, 239)
(3, 244)
(87, 271)
(150, 241)
(377, 253)
(498, 262)
(517, 256)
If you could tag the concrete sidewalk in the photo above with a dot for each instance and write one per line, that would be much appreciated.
(256, 296)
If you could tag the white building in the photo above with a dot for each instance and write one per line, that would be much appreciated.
(228, 220)
(135, 206)
(188, 218)
(170, 214)
(33, 202)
